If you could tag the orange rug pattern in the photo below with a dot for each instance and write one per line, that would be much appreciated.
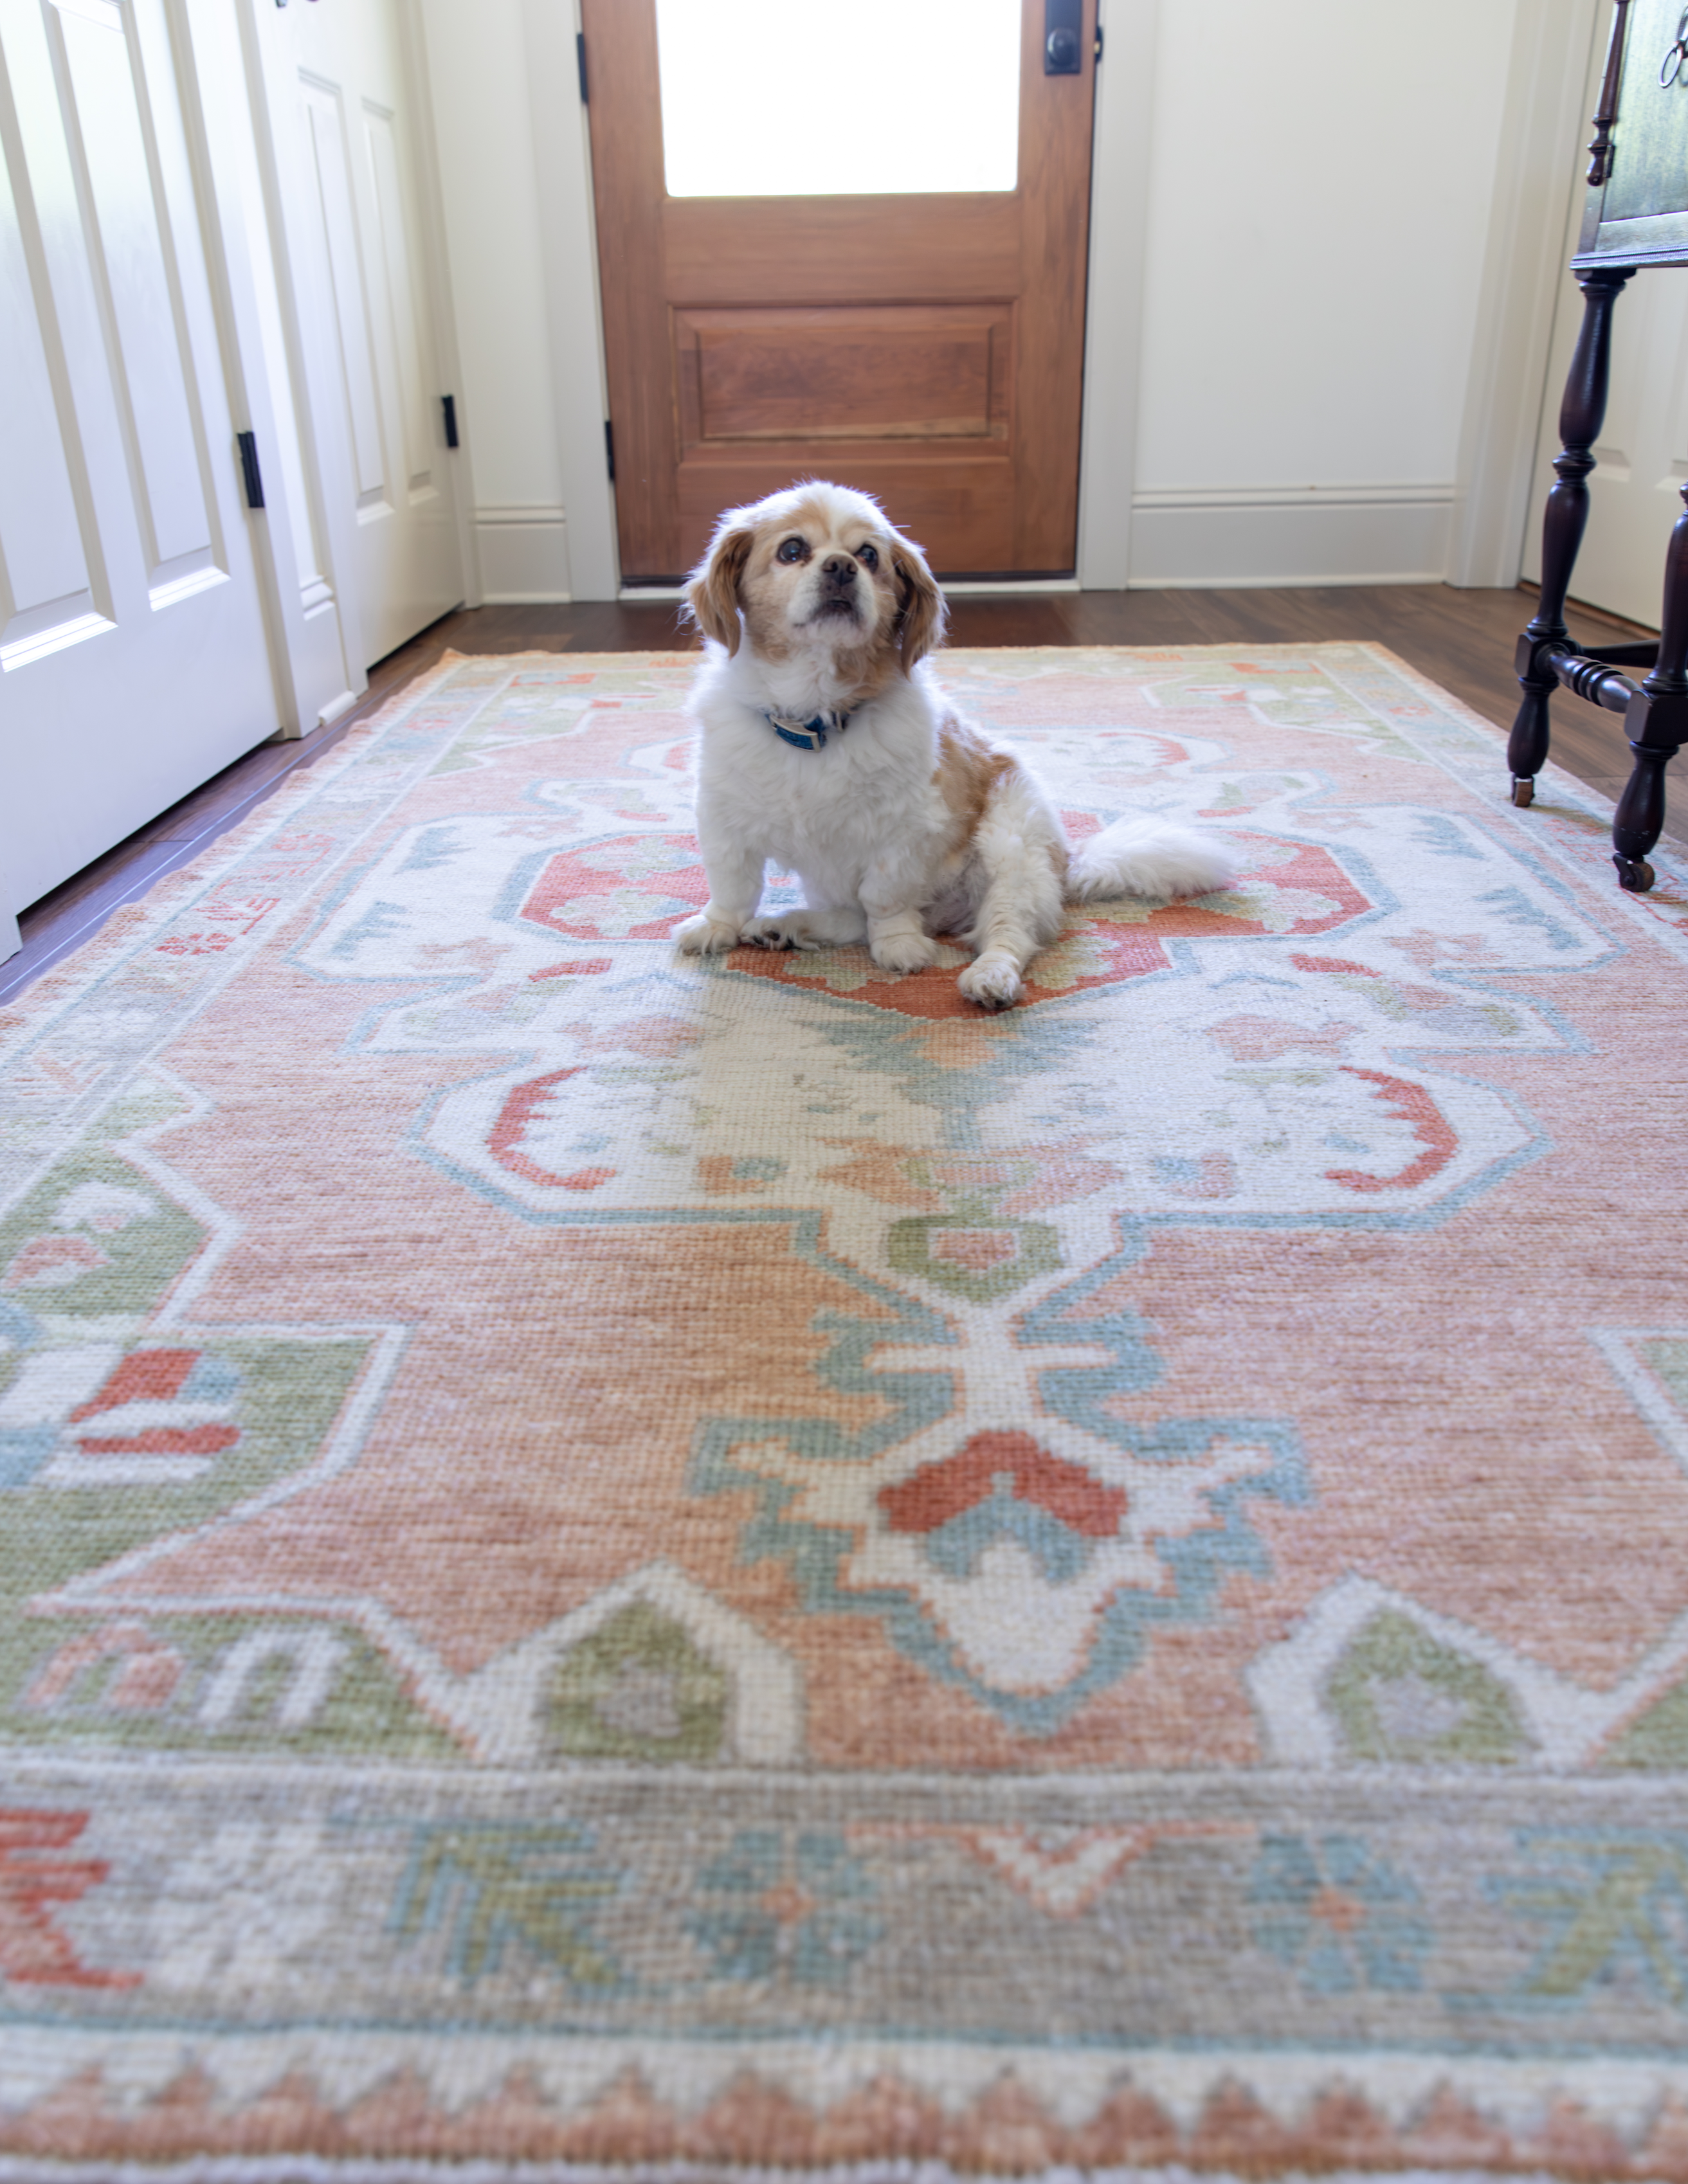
(608, 1560)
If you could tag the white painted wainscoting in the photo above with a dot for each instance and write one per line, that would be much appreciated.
(524, 554)
(1206, 536)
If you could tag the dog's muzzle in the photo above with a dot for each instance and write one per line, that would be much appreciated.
(837, 586)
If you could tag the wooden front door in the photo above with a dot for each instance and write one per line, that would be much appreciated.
(926, 346)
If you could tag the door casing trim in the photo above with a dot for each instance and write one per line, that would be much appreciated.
(568, 243)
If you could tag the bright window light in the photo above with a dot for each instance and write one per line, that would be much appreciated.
(779, 98)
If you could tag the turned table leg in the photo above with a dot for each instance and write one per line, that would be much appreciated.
(1581, 414)
(1657, 724)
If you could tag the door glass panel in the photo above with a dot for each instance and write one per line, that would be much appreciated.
(799, 99)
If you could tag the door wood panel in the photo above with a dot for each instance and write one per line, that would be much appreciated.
(847, 372)
(953, 509)
(965, 246)
(928, 349)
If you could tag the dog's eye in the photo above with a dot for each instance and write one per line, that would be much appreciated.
(792, 550)
(867, 556)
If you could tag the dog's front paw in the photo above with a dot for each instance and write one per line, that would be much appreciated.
(790, 932)
(994, 982)
(902, 952)
(705, 936)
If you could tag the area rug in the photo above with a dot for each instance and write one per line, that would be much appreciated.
(609, 1560)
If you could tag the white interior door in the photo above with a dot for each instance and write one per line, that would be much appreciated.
(1641, 455)
(343, 102)
(133, 654)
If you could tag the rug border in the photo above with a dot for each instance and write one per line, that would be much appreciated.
(368, 2168)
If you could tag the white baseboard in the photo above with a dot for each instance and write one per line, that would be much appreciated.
(1204, 538)
(1207, 538)
(524, 555)
(1005, 587)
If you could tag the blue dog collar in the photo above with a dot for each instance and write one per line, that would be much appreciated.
(807, 735)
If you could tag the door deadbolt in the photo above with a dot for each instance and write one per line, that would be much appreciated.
(1063, 37)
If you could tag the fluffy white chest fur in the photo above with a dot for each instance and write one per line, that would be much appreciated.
(827, 747)
(862, 815)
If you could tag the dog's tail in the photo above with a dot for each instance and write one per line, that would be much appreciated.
(1149, 857)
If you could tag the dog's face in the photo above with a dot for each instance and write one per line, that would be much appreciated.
(818, 569)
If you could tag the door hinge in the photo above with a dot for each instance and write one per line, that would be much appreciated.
(580, 62)
(1097, 49)
(610, 448)
(247, 444)
(449, 403)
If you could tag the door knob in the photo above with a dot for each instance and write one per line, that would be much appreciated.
(1063, 46)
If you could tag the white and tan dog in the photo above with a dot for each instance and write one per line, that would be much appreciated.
(827, 747)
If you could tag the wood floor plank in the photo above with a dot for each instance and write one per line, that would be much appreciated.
(1462, 639)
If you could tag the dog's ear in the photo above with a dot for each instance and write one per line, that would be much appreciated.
(921, 611)
(712, 587)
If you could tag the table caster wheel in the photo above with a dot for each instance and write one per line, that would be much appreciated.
(1524, 791)
(1635, 874)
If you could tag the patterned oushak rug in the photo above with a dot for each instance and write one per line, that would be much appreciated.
(612, 1561)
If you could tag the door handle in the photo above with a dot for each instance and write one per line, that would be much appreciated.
(1063, 37)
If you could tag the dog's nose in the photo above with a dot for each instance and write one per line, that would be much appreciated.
(840, 571)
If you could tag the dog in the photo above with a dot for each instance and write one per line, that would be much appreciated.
(828, 746)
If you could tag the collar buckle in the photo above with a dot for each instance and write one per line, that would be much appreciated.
(807, 735)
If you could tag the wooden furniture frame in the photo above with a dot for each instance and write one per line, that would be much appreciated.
(1635, 216)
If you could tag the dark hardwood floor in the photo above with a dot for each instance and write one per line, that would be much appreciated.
(1462, 639)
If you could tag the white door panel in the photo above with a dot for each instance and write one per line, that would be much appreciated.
(336, 215)
(317, 680)
(336, 76)
(401, 319)
(133, 646)
(47, 586)
(153, 382)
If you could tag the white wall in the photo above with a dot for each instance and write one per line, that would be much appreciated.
(1302, 216)
(1319, 190)
(478, 70)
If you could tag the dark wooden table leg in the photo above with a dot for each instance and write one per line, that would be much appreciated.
(1581, 414)
(1657, 724)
